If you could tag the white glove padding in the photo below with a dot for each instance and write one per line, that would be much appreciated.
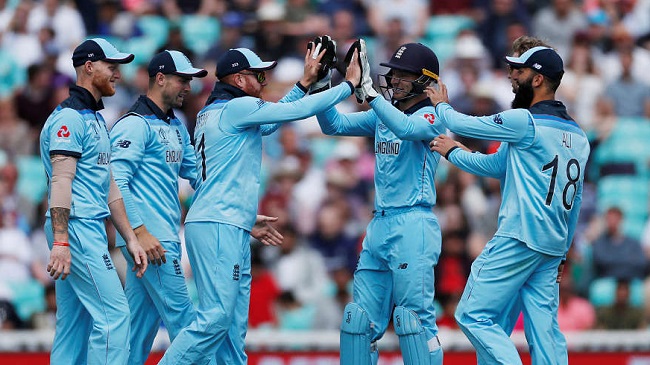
(321, 84)
(365, 90)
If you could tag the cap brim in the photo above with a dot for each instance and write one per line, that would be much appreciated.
(120, 58)
(514, 61)
(193, 72)
(263, 66)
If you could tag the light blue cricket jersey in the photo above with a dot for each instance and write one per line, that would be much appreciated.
(404, 165)
(150, 150)
(76, 129)
(541, 167)
(228, 144)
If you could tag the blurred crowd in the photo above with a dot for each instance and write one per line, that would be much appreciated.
(321, 187)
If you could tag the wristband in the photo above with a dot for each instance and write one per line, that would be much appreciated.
(449, 152)
(64, 244)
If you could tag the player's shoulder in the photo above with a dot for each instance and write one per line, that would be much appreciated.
(66, 116)
(131, 121)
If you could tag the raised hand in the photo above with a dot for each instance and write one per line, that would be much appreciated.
(436, 95)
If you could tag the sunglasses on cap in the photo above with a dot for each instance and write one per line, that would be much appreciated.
(261, 75)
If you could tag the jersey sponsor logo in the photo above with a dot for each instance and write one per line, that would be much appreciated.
(123, 143)
(382, 127)
(63, 132)
(173, 156)
(178, 135)
(387, 148)
(497, 119)
(103, 158)
(430, 118)
(403, 266)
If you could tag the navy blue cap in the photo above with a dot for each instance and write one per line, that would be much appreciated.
(415, 58)
(173, 62)
(543, 60)
(240, 59)
(98, 49)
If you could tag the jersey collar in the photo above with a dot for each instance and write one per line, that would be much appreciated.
(156, 110)
(223, 91)
(86, 98)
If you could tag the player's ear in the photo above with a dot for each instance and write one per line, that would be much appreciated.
(538, 80)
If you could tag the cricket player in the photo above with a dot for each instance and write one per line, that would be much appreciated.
(541, 166)
(92, 318)
(403, 240)
(151, 149)
(228, 140)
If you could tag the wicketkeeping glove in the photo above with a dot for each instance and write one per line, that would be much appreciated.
(346, 63)
(365, 90)
(327, 62)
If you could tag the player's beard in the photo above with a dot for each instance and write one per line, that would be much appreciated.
(524, 95)
(103, 84)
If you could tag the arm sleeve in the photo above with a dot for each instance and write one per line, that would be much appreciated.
(333, 123)
(114, 192)
(188, 168)
(509, 126)
(415, 127)
(128, 142)
(493, 165)
(63, 172)
(294, 94)
(247, 112)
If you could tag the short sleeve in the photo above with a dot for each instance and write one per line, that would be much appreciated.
(67, 134)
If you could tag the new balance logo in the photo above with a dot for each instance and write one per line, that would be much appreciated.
(108, 262)
(123, 143)
(403, 265)
(235, 272)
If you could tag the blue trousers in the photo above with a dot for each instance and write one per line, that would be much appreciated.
(92, 316)
(508, 271)
(160, 294)
(220, 256)
(396, 266)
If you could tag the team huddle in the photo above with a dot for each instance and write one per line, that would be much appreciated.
(130, 175)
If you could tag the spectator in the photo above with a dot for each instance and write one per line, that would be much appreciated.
(616, 255)
(621, 315)
(338, 248)
(16, 137)
(34, 102)
(413, 14)
(574, 313)
(63, 18)
(299, 268)
(566, 19)
(264, 293)
(628, 96)
(22, 42)
(501, 15)
(582, 84)
(46, 320)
